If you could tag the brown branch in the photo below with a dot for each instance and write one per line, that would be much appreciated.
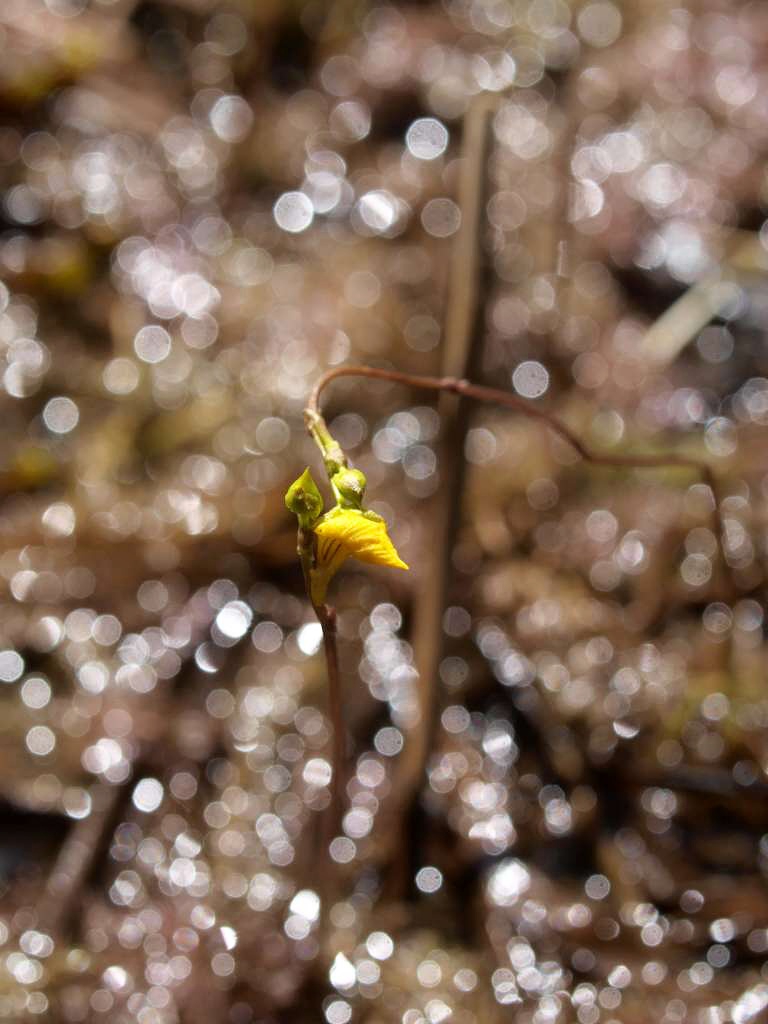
(505, 398)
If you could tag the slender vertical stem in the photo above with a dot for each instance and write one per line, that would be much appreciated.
(327, 617)
(462, 347)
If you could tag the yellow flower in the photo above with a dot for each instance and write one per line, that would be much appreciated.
(346, 533)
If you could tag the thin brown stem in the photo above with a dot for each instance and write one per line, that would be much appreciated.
(504, 398)
(469, 283)
(327, 618)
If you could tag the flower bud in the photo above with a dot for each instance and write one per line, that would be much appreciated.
(349, 488)
(304, 500)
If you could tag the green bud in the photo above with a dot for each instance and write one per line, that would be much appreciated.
(349, 487)
(304, 500)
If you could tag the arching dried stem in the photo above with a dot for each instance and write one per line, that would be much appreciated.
(495, 396)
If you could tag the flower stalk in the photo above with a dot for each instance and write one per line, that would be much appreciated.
(325, 542)
(348, 530)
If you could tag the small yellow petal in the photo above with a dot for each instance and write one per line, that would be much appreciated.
(350, 533)
(362, 535)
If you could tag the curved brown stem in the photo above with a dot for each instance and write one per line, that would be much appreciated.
(504, 398)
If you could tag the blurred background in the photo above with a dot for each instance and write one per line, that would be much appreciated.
(558, 750)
